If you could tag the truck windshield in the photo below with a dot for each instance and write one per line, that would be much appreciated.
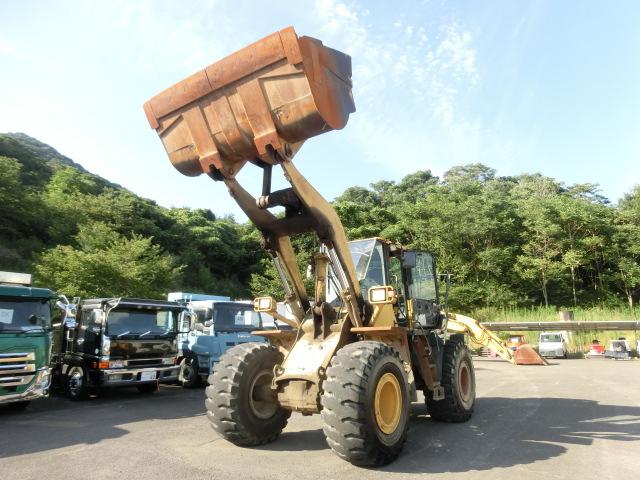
(235, 317)
(549, 338)
(24, 314)
(140, 322)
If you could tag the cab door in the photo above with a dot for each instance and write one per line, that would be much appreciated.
(422, 286)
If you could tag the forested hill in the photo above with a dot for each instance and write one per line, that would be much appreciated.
(84, 235)
(507, 241)
(39, 161)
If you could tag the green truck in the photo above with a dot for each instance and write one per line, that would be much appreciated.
(25, 339)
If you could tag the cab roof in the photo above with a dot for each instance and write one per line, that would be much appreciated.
(26, 292)
(130, 303)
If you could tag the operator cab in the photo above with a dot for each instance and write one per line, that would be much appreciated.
(411, 273)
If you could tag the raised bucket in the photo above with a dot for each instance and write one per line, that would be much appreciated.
(275, 93)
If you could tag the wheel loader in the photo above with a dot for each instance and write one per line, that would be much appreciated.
(372, 335)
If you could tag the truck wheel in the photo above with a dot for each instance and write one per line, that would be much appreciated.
(76, 383)
(147, 387)
(459, 383)
(240, 404)
(365, 404)
(189, 377)
(18, 406)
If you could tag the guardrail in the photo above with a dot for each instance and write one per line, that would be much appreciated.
(563, 325)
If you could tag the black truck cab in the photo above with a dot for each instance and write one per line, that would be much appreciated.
(117, 342)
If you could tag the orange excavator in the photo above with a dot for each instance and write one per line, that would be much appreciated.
(371, 334)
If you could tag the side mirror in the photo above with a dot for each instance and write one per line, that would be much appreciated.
(186, 321)
(97, 316)
(409, 259)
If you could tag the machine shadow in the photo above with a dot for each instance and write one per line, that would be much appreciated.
(506, 432)
(57, 422)
(303, 440)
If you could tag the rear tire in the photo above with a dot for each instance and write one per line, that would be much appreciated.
(459, 383)
(365, 404)
(189, 377)
(240, 404)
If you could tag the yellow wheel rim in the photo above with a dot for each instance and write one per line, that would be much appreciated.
(388, 403)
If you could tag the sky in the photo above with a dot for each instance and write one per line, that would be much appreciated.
(521, 86)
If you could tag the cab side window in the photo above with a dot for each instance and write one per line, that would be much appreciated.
(423, 280)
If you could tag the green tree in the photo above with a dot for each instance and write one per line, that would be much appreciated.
(626, 245)
(107, 264)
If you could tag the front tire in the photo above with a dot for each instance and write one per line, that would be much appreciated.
(240, 403)
(76, 383)
(189, 377)
(459, 383)
(365, 404)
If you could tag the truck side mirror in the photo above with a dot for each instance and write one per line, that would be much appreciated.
(409, 259)
(186, 322)
(97, 316)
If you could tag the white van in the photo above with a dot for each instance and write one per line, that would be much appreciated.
(553, 344)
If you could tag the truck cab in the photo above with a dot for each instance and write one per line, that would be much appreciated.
(217, 326)
(118, 342)
(25, 339)
(553, 344)
(619, 349)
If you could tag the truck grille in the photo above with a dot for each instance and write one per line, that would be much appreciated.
(144, 362)
(17, 369)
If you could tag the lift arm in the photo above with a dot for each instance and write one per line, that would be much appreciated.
(479, 335)
(259, 105)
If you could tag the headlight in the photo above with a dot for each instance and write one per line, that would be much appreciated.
(169, 361)
(383, 294)
(264, 304)
(116, 363)
(106, 346)
(43, 379)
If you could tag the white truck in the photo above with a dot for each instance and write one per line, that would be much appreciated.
(553, 344)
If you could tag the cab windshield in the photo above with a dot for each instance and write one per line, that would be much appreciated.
(141, 323)
(24, 314)
(235, 317)
(551, 338)
(367, 256)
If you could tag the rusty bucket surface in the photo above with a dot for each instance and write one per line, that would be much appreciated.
(526, 355)
(277, 92)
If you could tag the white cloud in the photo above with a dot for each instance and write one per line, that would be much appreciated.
(411, 81)
(195, 39)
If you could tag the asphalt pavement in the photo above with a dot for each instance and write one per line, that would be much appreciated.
(572, 419)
